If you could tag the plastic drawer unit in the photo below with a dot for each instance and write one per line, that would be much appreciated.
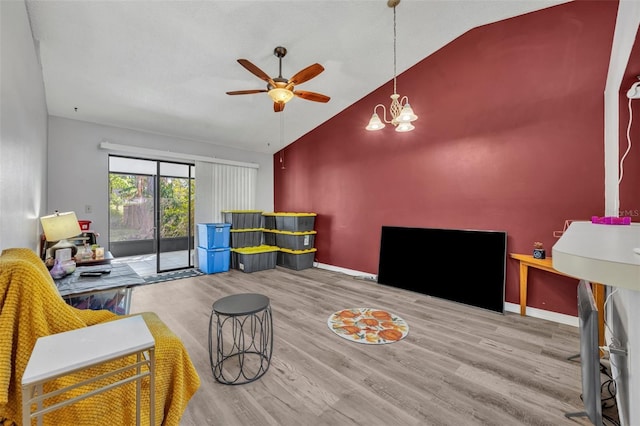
(118, 301)
(296, 259)
(110, 289)
(252, 259)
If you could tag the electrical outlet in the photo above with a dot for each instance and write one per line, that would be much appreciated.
(88, 208)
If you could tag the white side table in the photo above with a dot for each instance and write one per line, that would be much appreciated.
(65, 353)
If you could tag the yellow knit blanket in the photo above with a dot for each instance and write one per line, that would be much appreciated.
(31, 307)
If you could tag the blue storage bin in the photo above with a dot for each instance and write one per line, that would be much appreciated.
(213, 235)
(213, 261)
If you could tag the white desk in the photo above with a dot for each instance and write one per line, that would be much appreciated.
(600, 253)
(61, 354)
(604, 254)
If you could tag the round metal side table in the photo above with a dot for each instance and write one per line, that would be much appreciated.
(243, 338)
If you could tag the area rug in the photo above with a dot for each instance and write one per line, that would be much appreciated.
(170, 276)
(368, 325)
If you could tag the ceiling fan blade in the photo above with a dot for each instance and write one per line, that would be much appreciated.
(311, 96)
(306, 74)
(255, 70)
(278, 106)
(246, 92)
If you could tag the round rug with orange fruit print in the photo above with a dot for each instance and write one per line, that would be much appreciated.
(368, 325)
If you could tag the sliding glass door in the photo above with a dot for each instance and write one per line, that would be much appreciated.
(151, 207)
(174, 226)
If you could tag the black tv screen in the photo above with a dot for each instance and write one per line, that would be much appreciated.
(465, 266)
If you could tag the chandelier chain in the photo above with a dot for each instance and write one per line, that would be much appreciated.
(401, 112)
(395, 90)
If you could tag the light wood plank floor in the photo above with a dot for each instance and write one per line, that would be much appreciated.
(458, 365)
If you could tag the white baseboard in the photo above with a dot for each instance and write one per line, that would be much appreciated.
(508, 306)
(365, 275)
(542, 314)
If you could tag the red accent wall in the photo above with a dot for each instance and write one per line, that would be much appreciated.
(509, 137)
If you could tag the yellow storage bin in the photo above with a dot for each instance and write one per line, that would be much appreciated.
(243, 218)
(252, 259)
(269, 237)
(296, 259)
(269, 221)
(295, 222)
(295, 240)
(250, 237)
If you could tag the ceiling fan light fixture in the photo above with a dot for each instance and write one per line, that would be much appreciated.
(280, 89)
(280, 94)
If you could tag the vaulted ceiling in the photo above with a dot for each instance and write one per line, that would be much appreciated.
(165, 66)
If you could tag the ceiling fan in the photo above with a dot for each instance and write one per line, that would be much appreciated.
(280, 89)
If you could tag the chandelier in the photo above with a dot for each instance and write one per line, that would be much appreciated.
(401, 113)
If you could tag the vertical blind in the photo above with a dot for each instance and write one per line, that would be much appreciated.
(223, 187)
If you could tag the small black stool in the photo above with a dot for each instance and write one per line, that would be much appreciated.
(246, 320)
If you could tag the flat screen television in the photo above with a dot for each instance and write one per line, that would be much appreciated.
(589, 355)
(466, 266)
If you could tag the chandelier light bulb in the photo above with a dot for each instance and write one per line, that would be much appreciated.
(375, 123)
(405, 127)
(406, 115)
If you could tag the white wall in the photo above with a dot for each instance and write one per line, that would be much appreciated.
(78, 168)
(623, 315)
(23, 131)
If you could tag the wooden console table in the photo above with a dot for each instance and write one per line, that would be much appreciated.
(526, 261)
